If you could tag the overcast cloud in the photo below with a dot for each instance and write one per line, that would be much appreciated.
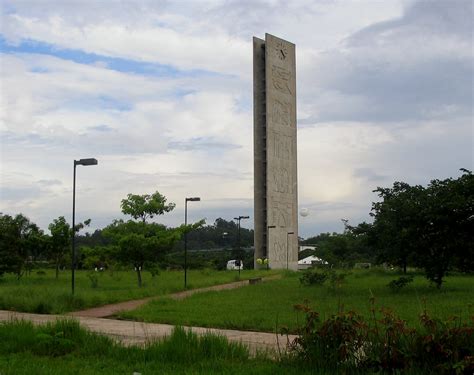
(160, 92)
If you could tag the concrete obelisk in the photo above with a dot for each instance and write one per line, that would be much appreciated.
(275, 165)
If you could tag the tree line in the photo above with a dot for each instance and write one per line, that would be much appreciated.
(136, 242)
(430, 228)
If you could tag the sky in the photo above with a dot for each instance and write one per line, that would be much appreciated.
(160, 92)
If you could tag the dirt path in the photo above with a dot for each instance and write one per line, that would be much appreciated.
(130, 333)
(112, 309)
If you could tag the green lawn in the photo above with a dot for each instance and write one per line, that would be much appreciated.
(44, 294)
(268, 305)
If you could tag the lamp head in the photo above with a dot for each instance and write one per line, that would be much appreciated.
(193, 199)
(89, 161)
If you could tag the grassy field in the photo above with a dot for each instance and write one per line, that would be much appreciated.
(263, 307)
(44, 294)
(65, 348)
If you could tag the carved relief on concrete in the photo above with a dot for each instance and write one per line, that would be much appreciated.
(281, 180)
(281, 113)
(282, 146)
(278, 249)
(281, 79)
(281, 214)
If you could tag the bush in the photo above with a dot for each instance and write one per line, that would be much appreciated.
(313, 277)
(337, 279)
(400, 283)
(346, 342)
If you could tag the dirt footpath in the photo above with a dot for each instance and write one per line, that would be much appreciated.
(112, 309)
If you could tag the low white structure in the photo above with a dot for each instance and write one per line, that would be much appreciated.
(309, 262)
(235, 264)
(307, 247)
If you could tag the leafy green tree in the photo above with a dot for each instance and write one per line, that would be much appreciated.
(138, 243)
(221, 234)
(429, 227)
(396, 222)
(59, 242)
(447, 235)
(60, 239)
(99, 256)
(143, 207)
(19, 238)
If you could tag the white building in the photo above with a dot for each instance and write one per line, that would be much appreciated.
(309, 262)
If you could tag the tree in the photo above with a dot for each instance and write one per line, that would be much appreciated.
(429, 227)
(396, 222)
(138, 243)
(142, 207)
(447, 236)
(60, 240)
(19, 238)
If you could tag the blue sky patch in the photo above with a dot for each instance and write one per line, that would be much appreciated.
(112, 63)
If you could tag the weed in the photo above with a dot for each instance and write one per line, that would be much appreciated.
(397, 284)
(94, 279)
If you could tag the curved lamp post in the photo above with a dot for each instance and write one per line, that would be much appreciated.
(85, 162)
(186, 200)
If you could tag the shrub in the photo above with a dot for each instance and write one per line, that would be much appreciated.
(337, 279)
(348, 342)
(313, 277)
(153, 268)
(398, 284)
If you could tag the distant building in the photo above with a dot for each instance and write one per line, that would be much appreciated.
(307, 247)
(310, 261)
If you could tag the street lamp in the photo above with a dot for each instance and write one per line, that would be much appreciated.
(186, 200)
(238, 240)
(85, 162)
(287, 235)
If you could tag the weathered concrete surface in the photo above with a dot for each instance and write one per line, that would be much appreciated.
(276, 199)
(259, 151)
(130, 333)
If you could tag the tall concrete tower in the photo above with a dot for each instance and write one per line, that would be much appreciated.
(275, 166)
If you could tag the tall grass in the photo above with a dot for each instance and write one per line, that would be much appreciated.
(63, 347)
(42, 293)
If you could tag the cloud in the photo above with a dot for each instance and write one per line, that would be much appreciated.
(411, 67)
(49, 182)
(145, 43)
(368, 174)
(161, 94)
(200, 143)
